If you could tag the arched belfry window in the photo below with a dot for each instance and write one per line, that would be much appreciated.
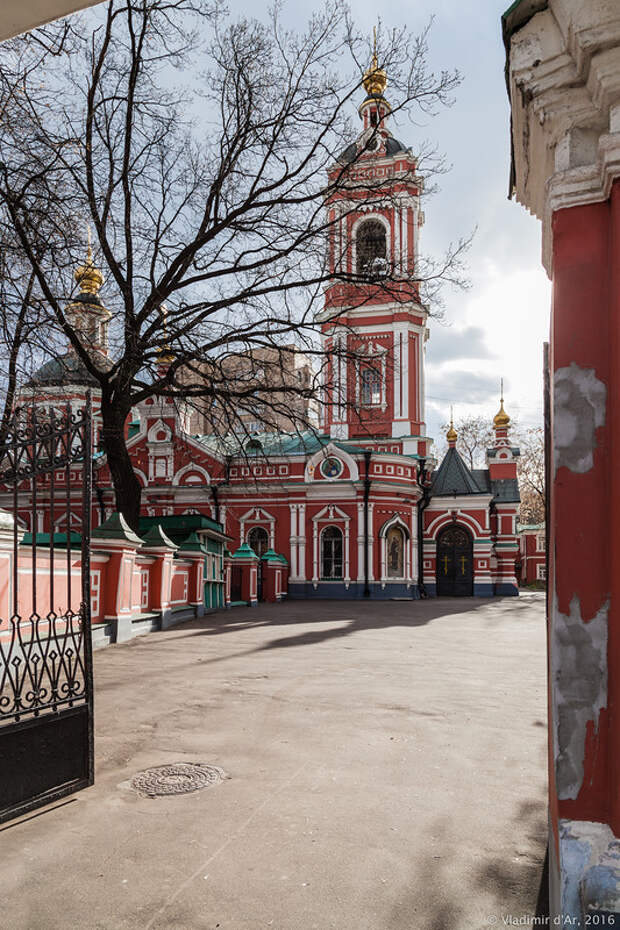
(331, 552)
(371, 247)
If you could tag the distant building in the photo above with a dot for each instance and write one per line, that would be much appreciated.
(533, 554)
(280, 385)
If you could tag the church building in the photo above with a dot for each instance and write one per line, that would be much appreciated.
(356, 507)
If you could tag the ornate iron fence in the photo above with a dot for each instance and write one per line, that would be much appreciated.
(46, 693)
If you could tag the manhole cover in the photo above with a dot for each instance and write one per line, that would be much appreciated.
(178, 778)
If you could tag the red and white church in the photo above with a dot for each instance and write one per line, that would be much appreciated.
(357, 508)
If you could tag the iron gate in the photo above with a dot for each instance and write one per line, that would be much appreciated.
(46, 676)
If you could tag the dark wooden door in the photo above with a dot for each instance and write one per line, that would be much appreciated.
(235, 583)
(455, 575)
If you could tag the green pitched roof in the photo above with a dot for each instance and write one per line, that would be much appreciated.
(116, 527)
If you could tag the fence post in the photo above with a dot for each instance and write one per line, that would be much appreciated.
(116, 538)
(157, 544)
(192, 550)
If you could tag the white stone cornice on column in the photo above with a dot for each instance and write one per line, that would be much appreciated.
(564, 76)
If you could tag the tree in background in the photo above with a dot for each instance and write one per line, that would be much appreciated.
(197, 148)
(475, 436)
(531, 472)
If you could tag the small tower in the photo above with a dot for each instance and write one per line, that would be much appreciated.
(501, 422)
(86, 314)
(502, 457)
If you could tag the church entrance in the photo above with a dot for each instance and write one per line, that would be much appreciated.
(455, 576)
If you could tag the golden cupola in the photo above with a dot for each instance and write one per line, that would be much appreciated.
(86, 312)
(375, 78)
(452, 434)
(88, 277)
(501, 418)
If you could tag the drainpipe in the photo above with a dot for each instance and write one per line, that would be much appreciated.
(422, 505)
(99, 493)
(367, 457)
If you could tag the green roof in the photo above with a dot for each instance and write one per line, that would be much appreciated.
(116, 527)
(179, 526)
(60, 540)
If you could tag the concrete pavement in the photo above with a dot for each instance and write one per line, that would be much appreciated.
(386, 767)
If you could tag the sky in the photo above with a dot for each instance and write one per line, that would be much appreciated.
(497, 327)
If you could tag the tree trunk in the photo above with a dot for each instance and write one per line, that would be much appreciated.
(127, 488)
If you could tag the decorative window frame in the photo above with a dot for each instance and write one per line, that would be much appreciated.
(398, 521)
(373, 350)
(188, 469)
(256, 516)
(329, 451)
(331, 515)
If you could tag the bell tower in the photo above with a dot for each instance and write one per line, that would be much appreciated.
(373, 323)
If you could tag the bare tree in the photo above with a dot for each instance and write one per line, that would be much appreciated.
(531, 471)
(205, 188)
(475, 436)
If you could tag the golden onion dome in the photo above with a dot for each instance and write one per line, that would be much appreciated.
(88, 277)
(375, 78)
(452, 434)
(501, 418)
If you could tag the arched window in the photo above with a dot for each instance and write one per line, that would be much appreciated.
(395, 553)
(371, 387)
(258, 540)
(371, 247)
(331, 553)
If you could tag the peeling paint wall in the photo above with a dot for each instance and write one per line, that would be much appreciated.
(579, 669)
(578, 410)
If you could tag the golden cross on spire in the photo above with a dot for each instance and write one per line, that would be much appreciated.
(501, 419)
(452, 434)
(375, 78)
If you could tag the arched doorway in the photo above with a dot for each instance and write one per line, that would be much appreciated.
(455, 563)
(258, 540)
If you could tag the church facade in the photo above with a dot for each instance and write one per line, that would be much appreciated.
(357, 507)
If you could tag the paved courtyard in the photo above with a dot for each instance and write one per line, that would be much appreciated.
(386, 769)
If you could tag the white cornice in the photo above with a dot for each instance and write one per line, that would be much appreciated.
(565, 100)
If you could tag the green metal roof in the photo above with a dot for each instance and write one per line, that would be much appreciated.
(60, 540)
(179, 526)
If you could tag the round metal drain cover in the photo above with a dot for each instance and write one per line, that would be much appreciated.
(178, 778)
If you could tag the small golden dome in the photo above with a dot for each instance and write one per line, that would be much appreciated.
(452, 434)
(501, 418)
(375, 78)
(87, 276)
